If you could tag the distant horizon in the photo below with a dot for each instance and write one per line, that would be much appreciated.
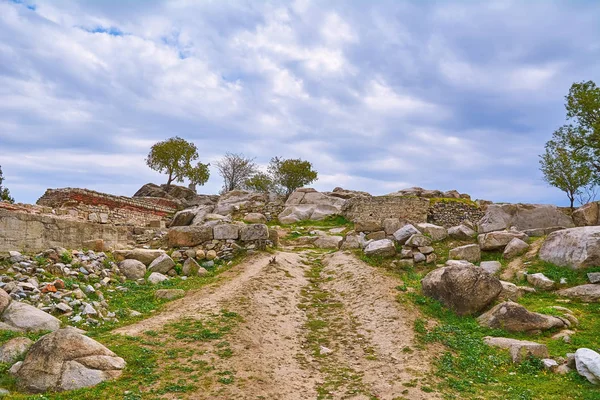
(379, 97)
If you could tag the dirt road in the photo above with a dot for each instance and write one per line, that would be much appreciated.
(314, 326)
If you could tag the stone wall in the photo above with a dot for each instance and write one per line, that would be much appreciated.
(411, 209)
(32, 232)
(88, 205)
(270, 210)
(448, 213)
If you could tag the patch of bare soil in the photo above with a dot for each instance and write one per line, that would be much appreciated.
(379, 341)
(272, 347)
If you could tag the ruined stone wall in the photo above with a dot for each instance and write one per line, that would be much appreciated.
(448, 213)
(29, 232)
(411, 209)
(88, 205)
(270, 210)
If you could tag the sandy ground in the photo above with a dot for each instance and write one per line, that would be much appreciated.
(373, 337)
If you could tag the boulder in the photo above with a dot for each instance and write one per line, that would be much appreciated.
(435, 232)
(169, 294)
(328, 242)
(255, 218)
(376, 235)
(461, 232)
(404, 233)
(469, 252)
(145, 256)
(189, 236)
(418, 240)
(367, 225)
(308, 204)
(586, 215)
(351, 241)
(190, 267)
(491, 267)
(589, 293)
(587, 363)
(162, 264)
(226, 232)
(519, 350)
(236, 200)
(499, 217)
(254, 232)
(498, 240)
(513, 317)
(28, 318)
(133, 269)
(574, 248)
(593, 277)
(156, 278)
(183, 218)
(541, 281)
(67, 360)
(12, 350)
(382, 248)
(515, 248)
(200, 213)
(4, 300)
(466, 289)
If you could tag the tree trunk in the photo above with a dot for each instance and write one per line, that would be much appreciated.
(170, 180)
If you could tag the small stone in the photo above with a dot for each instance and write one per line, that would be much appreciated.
(549, 363)
(211, 255)
(156, 278)
(491, 267)
(541, 281)
(594, 277)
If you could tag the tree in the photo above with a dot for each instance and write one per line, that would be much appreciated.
(235, 169)
(562, 165)
(4, 192)
(174, 157)
(291, 174)
(259, 182)
(583, 110)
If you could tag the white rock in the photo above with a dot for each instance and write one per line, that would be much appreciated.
(157, 277)
(587, 363)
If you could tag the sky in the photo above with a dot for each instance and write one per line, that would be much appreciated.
(379, 95)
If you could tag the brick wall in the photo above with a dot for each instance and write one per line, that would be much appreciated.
(450, 213)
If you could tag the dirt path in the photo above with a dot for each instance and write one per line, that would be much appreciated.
(314, 327)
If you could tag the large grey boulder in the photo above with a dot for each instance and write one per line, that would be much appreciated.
(382, 248)
(28, 318)
(226, 232)
(466, 289)
(418, 240)
(589, 293)
(519, 350)
(253, 232)
(574, 248)
(587, 363)
(255, 218)
(4, 300)
(67, 360)
(391, 225)
(513, 317)
(586, 215)
(498, 240)
(145, 256)
(308, 204)
(522, 216)
(183, 218)
(14, 349)
(328, 242)
(133, 269)
(189, 236)
(237, 200)
(515, 248)
(461, 232)
(435, 232)
(469, 252)
(162, 264)
(404, 233)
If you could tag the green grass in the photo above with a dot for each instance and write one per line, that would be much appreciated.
(467, 368)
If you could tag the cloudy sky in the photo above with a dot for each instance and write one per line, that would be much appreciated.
(379, 95)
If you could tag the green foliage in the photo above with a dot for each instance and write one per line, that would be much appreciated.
(259, 182)
(66, 257)
(563, 166)
(235, 169)
(433, 201)
(4, 192)
(174, 157)
(291, 174)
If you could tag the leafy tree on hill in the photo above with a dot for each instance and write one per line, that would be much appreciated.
(259, 182)
(235, 169)
(174, 157)
(4, 192)
(291, 174)
(562, 167)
